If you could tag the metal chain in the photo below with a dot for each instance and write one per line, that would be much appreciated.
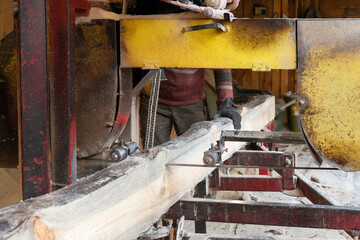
(152, 109)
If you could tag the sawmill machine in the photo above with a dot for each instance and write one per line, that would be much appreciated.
(324, 51)
(93, 51)
(73, 71)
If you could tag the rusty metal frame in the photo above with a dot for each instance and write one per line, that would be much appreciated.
(277, 214)
(62, 98)
(35, 109)
(260, 159)
(326, 215)
(34, 142)
(62, 84)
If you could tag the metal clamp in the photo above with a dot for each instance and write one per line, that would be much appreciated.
(180, 233)
(120, 151)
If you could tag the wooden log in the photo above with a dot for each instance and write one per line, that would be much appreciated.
(125, 199)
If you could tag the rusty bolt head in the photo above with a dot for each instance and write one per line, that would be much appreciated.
(208, 160)
(287, 162)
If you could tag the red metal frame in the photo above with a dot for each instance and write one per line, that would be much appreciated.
(33, 114)
(261, 159)
(34, 95)
(251, 184)
(291, 215)
(326, 216)
(62, 84)
(264, 171)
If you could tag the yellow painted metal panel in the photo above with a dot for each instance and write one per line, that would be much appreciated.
(329, 76)
(247, 43)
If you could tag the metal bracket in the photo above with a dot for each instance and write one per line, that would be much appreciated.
(206, 26)
(180, 233)
(213, 155)
(149, 65)
(261, 67)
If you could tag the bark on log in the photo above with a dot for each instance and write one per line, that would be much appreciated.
(125, 199)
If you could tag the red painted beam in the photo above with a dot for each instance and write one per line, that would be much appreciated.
(34, 110)
(62, 99)
(250, 184)
(291, 215)
(61, 28)
(257, 158)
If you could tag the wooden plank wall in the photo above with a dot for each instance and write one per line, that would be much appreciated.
(336, 9)
(282, 81)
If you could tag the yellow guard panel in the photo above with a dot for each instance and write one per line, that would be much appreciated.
(247, 43)
(329, 75)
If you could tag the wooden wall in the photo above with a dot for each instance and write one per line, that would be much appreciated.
(282, 81)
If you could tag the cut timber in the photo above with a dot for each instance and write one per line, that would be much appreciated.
(99, 13)
(125, 199)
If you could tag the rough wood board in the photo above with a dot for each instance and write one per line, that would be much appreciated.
(276, 82)
(335, 9)
(123, 200)
(284, 86)
(98, 13)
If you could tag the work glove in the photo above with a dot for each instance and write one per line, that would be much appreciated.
(229, 110)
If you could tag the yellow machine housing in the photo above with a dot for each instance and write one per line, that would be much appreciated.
(326, 53)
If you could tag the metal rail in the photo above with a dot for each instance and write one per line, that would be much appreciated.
(292, 215)
(263, 137)
(244, 166)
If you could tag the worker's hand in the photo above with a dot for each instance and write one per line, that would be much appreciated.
(232, 4)
(229, 110)
(222, 4)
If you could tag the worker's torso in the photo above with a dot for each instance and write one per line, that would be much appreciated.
(182, 87)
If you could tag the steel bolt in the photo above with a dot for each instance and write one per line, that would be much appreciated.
(208, 160)
(114, 156)
(109, 124)
(287, 162)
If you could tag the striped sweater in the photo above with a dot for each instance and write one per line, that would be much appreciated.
(186, 86)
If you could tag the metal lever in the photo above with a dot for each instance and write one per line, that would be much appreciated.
(206, 26)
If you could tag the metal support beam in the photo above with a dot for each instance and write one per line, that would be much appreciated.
(33, 109)
(62, 98)
(250, 184)
(292, 215)
(62, 85)
(313, 193)
(263, 137)
(260, 159)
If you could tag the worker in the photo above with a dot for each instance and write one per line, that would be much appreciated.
(181, 102)
(181, 96)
